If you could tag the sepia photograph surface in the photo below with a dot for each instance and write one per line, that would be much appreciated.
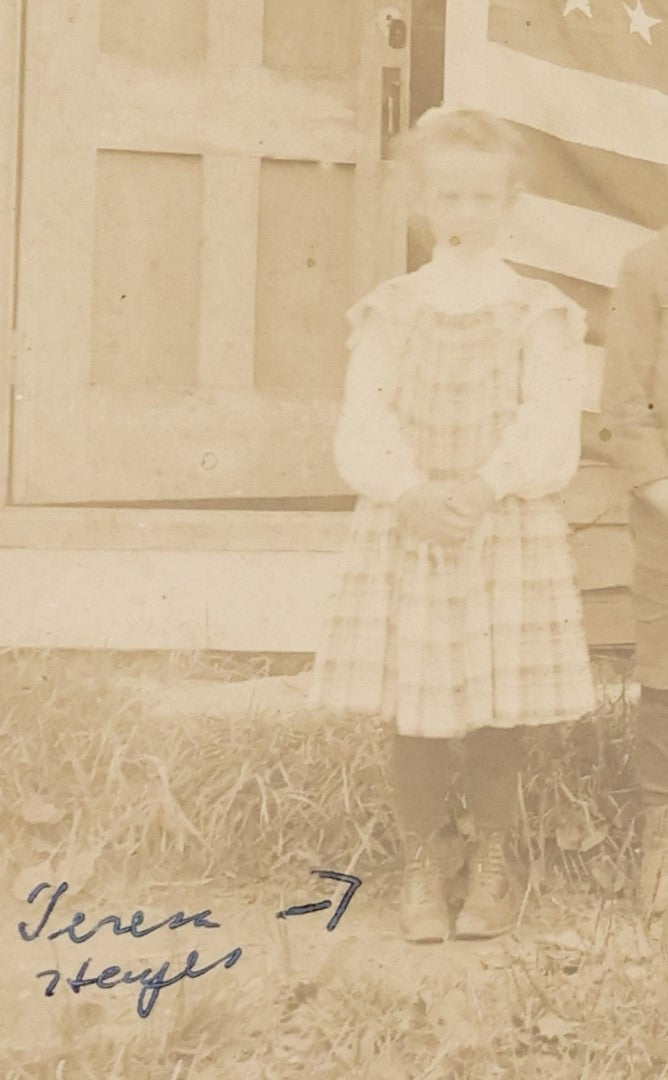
(334, 539)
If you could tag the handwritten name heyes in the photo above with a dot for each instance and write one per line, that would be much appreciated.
(153, 981)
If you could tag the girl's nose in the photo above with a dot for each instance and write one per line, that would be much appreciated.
(466, 208)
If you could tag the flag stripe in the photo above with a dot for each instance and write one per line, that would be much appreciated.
(577, 106)
(597, 179)
(574, 105)
(570, 240)
(602, 44)
(465, 47)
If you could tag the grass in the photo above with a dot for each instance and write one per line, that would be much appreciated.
(97, 791)
(240, 797)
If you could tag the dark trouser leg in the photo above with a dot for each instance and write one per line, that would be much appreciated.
(493, 763)
(650, 597)
(422, 770)
(652, 762)
(652, 746)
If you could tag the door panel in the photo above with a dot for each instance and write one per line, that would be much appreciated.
(158, 32)
(145, 320)
(305, 267)
(203, 198)
(310, 35)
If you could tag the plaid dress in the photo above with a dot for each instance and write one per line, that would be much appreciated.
(446, 640)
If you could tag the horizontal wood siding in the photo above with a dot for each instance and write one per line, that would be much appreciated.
(240, 580)
(608, 617)
(229, 600)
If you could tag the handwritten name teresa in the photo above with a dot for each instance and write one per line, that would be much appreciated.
(151, 981)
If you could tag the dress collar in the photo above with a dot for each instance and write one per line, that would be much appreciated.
(458, 283)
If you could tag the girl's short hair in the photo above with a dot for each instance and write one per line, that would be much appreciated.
(441, 128)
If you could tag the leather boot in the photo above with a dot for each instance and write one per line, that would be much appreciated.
(423, 915)
(490, 907)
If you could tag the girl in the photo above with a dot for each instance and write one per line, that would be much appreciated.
(457, 616)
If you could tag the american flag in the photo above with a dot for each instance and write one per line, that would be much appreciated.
(587, 82)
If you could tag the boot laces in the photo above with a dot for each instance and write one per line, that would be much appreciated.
(491, 871)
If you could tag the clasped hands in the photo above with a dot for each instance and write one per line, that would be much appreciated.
(444, 511)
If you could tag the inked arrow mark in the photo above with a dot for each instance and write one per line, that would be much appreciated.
(353, 884)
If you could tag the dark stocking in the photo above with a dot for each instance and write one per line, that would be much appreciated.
(423, 769)
(493, 762)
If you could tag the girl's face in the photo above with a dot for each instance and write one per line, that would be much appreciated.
(468, 196)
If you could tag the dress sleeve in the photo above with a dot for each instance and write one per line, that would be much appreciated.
(539, 452)
(637, 444)
(372, 454)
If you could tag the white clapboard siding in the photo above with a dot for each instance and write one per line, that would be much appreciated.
(174, 600)
(230, 600)
(240, 580)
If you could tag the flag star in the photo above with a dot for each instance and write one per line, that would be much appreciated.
(578, 5)
(640, 22)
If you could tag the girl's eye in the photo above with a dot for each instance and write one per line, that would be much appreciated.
(474, 196)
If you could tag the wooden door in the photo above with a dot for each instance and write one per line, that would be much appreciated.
(203, 195)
